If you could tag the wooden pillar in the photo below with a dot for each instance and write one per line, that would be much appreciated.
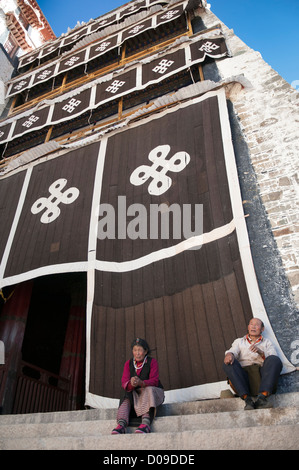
(123, 53)
(190, 29)
(120, 108)
(13, 320)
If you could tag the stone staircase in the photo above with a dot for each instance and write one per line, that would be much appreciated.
(220, 424)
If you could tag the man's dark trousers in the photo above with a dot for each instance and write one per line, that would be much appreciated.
(269, 372)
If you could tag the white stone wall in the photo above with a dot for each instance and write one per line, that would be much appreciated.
(6, 70)
(269, 119)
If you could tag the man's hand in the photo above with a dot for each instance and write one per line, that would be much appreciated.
(257, 350)
(229, 358)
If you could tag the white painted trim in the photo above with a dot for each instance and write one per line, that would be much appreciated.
(2, 353)
(97, 190)
(92, 246)
(89, 307)
(15, 222)
(198, 392)
(190, 243)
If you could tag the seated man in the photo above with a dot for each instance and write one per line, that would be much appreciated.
(253, 352)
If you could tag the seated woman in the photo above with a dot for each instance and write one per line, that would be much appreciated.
(141, 388)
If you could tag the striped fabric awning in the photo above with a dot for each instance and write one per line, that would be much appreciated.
(188, 288)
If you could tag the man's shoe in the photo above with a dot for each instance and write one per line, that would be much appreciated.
(262, 402)
(249, 404)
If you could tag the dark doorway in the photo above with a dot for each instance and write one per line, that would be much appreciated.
(42, 325)
(46, 323)
(48, 316)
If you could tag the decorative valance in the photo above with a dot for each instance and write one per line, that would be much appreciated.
(92, 27)
(95, 94)
(91, 52)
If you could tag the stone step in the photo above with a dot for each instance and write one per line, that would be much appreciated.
(196, 425)
(224, 420)
(170, 409)
(254, 438)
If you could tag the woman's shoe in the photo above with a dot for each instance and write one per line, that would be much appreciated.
(143, 429)
(119, 429)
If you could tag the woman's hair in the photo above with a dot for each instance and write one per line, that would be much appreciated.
(140, 342)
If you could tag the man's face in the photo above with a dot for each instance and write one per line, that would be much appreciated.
(255, 327)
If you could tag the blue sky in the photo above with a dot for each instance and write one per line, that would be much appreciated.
(268, 26)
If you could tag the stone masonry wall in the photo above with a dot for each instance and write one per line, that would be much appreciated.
(266, 114)
(6, 69)
(269, 118)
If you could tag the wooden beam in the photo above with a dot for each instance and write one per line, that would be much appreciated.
(11, 109)
(48, 136)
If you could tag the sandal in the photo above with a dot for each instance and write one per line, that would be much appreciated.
(143, 429)
(119, 430)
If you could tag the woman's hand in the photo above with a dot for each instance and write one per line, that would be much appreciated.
(136, 382)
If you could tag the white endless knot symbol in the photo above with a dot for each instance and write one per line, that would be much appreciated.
(30, 121)
(113, 88)
(160, 181)
(71, 105)
(20, 85)
(163, 66)
(52, 202)
(169, 14)
(72, 60)
(44, 74)
(136, 29)
(208, 47)
(103, 46)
